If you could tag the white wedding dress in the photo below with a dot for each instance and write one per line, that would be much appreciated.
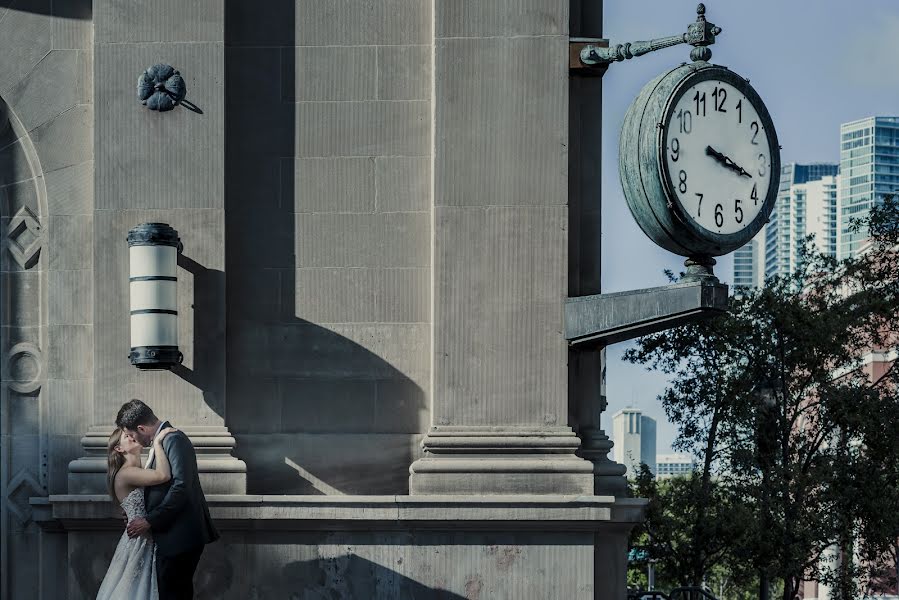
(132, 571)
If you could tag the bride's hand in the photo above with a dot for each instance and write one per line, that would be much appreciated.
(161, 435)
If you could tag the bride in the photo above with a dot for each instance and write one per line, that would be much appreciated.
(132, 572)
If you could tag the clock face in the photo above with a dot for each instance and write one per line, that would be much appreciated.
(717, 155)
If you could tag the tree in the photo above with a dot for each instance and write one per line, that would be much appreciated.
(689, 526)
(792, 431)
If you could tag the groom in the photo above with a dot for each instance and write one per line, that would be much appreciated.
(177, 513)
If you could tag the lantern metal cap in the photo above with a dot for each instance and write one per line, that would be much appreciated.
(153, 234)
(148, 358)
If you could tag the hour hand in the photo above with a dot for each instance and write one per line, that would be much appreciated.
(726, 161)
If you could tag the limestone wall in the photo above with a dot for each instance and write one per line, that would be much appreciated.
(328, 193)
(46, 321)
(373, 197)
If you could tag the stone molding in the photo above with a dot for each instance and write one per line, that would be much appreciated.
(366, 513)
(24, 238)
(500, 460)
(30, 384)
(19, 503)
(220, 472)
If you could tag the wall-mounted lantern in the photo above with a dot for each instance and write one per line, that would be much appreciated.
(153, 249)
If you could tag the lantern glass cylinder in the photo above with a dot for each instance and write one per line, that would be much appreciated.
(153, 258)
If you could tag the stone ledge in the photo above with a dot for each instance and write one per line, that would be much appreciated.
(304, 513)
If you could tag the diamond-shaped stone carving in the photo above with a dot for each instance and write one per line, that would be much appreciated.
(22, 487)
(23, 237)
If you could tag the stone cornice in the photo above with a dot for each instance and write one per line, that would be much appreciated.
(366, 513)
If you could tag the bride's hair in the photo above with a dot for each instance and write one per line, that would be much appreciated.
(115, 460)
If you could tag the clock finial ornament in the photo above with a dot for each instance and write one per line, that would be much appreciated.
(700, 35)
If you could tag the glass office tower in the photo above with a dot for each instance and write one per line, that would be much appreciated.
(869, 163)
(788, 224)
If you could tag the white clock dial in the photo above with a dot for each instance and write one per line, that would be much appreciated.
(717, 156)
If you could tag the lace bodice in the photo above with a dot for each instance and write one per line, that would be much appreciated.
(133, 504)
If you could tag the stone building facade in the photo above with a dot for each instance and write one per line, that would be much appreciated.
(383, 205)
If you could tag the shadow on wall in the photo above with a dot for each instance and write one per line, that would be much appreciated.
(209, 333)
(226, 572)
(67, 9)
(342, 576)
(315, 409)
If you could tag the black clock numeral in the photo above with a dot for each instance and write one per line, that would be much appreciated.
(699, 206)
(763, 165)
(700, 99)
(720, 95)
(755, 132)
(675, 149)
(740, 111)
(682, 186)
(738, 212)
(719, 215)
(755, 194)
(686, 121)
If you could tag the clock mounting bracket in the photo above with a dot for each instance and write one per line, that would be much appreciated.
(597, 56)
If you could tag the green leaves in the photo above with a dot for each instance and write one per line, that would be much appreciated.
(795, 429)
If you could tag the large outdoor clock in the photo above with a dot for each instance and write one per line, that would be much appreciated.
(699, 160)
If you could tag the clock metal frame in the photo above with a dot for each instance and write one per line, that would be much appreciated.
(648, 186)
(739, 238)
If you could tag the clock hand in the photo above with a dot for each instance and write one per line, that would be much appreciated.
(726, 161)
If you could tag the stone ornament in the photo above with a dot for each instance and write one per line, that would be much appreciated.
(23, 237)
(25, 368)
(22, 487)
(161, 88)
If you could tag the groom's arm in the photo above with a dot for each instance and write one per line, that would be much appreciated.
(183, 463)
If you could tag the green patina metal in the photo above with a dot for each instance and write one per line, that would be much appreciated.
(700, 35)
(646, 183)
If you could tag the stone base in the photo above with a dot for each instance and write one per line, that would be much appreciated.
(608, 476)
(380, 547)
(220, 473)
(501, 460)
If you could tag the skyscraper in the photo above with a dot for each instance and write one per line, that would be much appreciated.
(806, 204)
(747, 267)
(821, 212)
(634, 435)
(869, 162)
(788, 224)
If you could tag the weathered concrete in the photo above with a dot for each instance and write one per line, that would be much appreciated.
(45, 135)
(377, 204)
(384, 547)
(500, 414)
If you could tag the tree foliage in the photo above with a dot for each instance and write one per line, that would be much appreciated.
(796, 437)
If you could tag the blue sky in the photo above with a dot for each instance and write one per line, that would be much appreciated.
(815, 63)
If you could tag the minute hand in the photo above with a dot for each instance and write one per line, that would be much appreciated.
(726, 161)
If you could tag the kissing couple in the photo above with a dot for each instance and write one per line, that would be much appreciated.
(168, 520)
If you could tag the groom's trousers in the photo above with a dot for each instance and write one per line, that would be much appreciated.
(175, 574)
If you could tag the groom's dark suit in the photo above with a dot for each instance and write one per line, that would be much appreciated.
(179, 519)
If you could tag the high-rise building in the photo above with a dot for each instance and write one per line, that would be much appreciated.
(806, 204)
(634, 435)
(789, 224)
(674, 465)
(869, 163)
(821, 212)
(747, 267)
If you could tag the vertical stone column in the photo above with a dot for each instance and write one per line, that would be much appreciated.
(587, 369)
(166, 167)
(499, 249)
